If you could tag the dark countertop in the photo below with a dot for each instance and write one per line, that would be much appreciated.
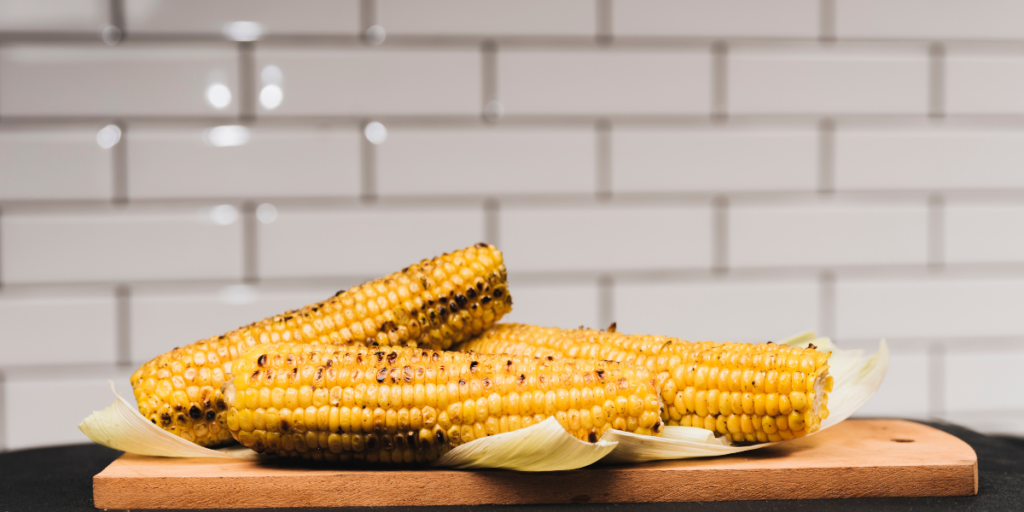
(57, 479)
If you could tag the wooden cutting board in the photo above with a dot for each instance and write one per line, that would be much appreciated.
(855, 459)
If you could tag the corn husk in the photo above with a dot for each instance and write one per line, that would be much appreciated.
(122, 427)
(545, 446)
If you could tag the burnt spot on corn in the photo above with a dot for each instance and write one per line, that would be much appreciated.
(195, 412)
(359, 358)
(486, 383)
(508, 365)
(329, 363)
(471, 293)
(542, 379)
(285, 426)
(319, 374)
(482, 245)
(392, 357)
(407, 374)
(380, 356)
(382, 374)
(461, 300)
(657, 427)
(182, 420)
(479, 286)
(551, 358)
(289, 317)
(435, 357)
(521, 379)
(165, 418)
(498, 292)
(262, 361)
(221, 405)
(600, 375)
(592, 436)
(440, 436)
(473, 366)
(210, 415)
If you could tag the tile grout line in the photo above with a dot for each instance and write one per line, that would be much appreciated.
(936, 380)
(936, 232)
(603, 159)
(826, 156)
(367, 16)
(603, 30)
(827, 307)
(490, 109)
(605, 301)
(368, 165)
(250, 243)
(247, 82)
(720, 81)
(492, 221)
(123, 323)
(117, 16)
(937, 81)
(720, 235)
(827, 21)
(119, 162)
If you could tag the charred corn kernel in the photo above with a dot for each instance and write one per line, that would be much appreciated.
(393, 425)
(433, 303)
(733, 389)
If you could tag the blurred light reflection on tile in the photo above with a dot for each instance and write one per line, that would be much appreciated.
(238, 294)
(223, 215)
(271, 96)
(226, 136)
(376, 132)
(243, 30)
(375, 35)
(266, 213)
(218, 95)
(108, 136)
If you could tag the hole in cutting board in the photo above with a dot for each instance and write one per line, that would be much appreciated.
(903, 440)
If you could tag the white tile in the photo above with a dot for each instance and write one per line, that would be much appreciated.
(53, 327)
(715, 18)
(374, 81)
(128, 79)
(929, 308)
(565, 305)
(928, 158)
(929, 19)
(168, 162)
(120, 244)
(711, 159)
(605, 81)
(275, 18)
(984, 83)
(998, 422)
(54, 163)
(984, 233)
(826, 234)
(32, 394)
(163, 318)
(827, 80)
(981, 380)
(720, 310)
(599, 238)
(488, 17)
(54, 15)
(364, 241)
(905, 391)
(487, 161)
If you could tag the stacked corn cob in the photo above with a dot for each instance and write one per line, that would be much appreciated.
(747, 393)
(434, 303)
(406, 405)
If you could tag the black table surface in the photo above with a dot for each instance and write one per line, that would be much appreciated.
(55, 479)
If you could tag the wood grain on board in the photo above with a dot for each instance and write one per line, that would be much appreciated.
(857, 458)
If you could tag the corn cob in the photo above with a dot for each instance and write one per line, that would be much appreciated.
(433, 303)
(745, 392)
(410, 405)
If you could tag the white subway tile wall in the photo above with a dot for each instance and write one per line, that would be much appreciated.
(734, 169)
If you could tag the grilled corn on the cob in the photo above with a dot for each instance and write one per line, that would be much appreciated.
(745, 392)
(434, 303)
(411, 405)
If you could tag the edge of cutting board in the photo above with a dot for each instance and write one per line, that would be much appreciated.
(855, 459)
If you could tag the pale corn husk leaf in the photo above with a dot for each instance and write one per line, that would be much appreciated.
(122, 427)
(545, 446)
(856, 379)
